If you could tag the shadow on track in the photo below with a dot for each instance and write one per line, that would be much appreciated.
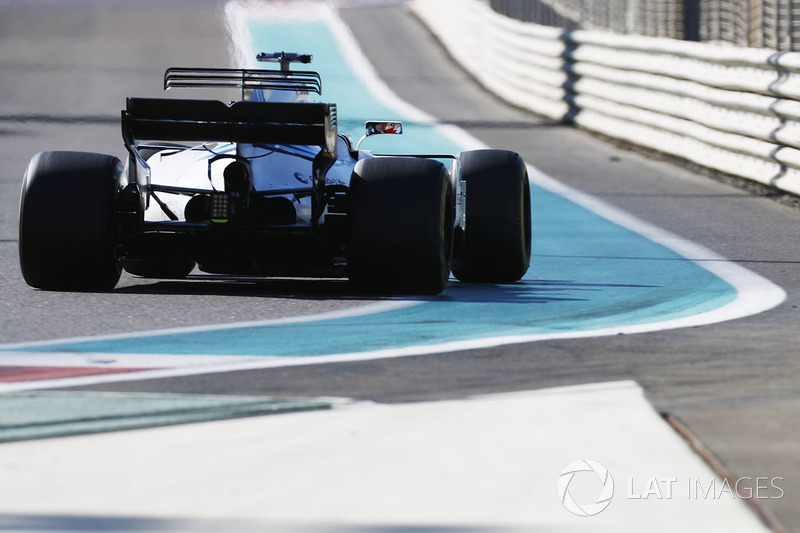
(527, 291)
(523, 292)
(209, 285)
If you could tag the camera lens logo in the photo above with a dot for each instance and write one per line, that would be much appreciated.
(567, 478)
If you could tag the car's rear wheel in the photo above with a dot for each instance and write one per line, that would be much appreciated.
(401, 225)
(67, 230)
(495, 247)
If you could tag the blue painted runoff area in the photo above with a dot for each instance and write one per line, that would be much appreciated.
(587, 273)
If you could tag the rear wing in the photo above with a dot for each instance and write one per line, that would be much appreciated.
(300, 81)
(241, 122)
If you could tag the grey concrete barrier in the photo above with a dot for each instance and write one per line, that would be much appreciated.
(732, 109)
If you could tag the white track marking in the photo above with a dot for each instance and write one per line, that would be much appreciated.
(117, 360)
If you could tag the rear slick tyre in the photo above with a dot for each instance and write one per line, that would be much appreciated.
(67, 231)
(401, 226)
(495, 247)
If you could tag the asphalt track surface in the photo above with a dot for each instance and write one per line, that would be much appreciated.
(66, 72)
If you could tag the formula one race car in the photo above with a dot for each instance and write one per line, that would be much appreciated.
(266, 186)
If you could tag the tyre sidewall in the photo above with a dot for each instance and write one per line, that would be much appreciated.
(496, 244)
(401, 221)
(67, 230)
